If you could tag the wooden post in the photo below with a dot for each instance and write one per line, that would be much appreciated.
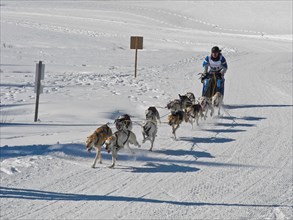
(135, 63)
(38, 81)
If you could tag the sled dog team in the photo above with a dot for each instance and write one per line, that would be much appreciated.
(186, 108)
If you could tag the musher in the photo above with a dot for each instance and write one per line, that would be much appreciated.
(215, 67)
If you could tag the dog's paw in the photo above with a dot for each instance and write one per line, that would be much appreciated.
(112, 166)
(93, 166)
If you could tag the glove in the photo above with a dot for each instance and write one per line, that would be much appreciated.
(223, 71)
(203, 77)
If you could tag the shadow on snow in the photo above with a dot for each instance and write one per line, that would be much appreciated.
(79, 151)
(163, 168)
(197, 140)
(246, 118)
(30, 194)
(255, 106)
(178, 152)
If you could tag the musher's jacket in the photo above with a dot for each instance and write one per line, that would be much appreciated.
(218, 65)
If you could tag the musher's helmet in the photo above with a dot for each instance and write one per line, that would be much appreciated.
(216, 49)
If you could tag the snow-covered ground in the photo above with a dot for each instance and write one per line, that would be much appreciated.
(237, 166)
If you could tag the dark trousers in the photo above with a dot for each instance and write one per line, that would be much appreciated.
(212, 84)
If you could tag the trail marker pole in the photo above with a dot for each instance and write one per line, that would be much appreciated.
(40, 72)
(136, 42)
(135, 70)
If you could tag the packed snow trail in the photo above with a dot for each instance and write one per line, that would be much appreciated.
(236, 166)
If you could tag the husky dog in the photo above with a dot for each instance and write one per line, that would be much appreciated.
(175, 119)
(96, 140)
(174, 105)
(185, 101)
(150, 128)
(123, 122)
(191, 97)
(206, 105)
(117, 141)
(152, 113)
(217, 101)
(193, 112)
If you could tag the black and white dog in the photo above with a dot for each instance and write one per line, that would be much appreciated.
(206, 105)
(191, 97)
(150, 128)
(185, 102)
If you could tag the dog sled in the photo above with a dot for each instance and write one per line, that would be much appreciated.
(212, 83)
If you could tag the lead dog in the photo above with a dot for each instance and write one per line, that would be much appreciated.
(217, 101)
(117, 141)
(96, 140)
(150, 128)
(175, 119)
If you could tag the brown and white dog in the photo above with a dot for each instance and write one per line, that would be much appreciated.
(117, 141)
(193, 112)
(217, 101)
(175, 119)
(96, 140)
(206, 105)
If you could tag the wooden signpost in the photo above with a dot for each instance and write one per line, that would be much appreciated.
(40, 74)
(136, 42)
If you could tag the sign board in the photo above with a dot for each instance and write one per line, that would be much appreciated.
(42, 73)
(136, 42)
